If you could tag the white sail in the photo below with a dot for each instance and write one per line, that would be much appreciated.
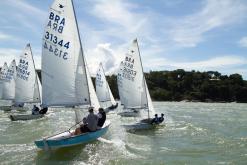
(3, 73)
(151, 110)
(27, 90)
(1, 90)
(120, 83)
(64, 80)
(9, 82)
(133, 79)
(113, 102)
(93, 96)
(102, 87)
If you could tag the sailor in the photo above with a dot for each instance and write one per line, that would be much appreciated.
(161, 119)
(35, 110)
(155, 120)
(43, 110)
(89, 123)
(102, 117)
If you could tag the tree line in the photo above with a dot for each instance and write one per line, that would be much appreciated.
(179, 85)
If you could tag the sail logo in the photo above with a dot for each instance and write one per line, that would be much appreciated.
(22, 70)
(56, 23)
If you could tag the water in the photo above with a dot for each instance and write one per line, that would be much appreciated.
(195, 133)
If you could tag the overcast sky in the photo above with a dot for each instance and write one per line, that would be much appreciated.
(188, 34)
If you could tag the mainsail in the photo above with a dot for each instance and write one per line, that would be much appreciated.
(9, 81)
(27, 88)
(102, 87)
(132, 85)
(64, 80)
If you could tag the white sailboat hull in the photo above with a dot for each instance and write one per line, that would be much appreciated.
(25, 117)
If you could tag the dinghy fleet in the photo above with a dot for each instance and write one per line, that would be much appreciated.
(66, 81)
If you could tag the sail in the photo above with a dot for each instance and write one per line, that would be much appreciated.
(102, 85)
(93, 96)
(3, 74)
(9, 82)
(133, 79)
(26, 88)
(64, 80)
(150, 103)
(120, 82)
(113, 102)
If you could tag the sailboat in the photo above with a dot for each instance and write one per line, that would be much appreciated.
(3, 74)
(103, 90)
(64, 73)
(8, 75)
(27, 85)
(135, 94)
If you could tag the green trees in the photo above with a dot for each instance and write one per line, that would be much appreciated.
(180, 85)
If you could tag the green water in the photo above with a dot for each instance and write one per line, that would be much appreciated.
(195, 133)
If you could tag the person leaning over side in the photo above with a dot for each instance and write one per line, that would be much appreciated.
(102, 117)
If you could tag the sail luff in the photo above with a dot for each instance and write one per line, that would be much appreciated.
(143, 77)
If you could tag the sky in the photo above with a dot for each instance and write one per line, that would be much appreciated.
(201, 35)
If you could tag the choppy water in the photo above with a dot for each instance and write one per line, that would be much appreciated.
(195, 133)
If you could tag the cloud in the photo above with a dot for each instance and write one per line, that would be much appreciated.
(20, 16)
(4, 36)
(243, 42)
(225, 64)
(103, 53)
(8, 54)
(190, 30)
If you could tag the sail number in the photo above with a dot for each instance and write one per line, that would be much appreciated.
(54, 39)
(52, 47)
(56, 51)
(99, 82)
(22, 70)
(128, 71)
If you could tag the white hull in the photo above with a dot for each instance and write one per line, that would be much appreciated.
(25, 117)
(9, 108)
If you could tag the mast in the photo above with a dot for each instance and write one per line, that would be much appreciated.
(143, 77)
(81, 51)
